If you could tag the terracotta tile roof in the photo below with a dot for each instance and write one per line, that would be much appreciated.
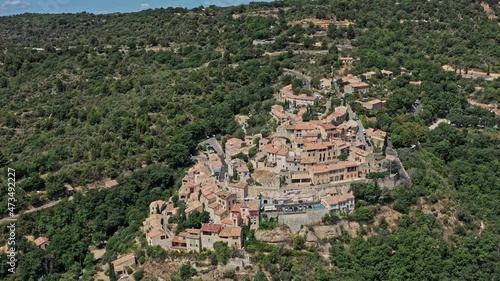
(158, 203)
(287, 87)
(41, 240)
(170, 208)
(210, 196)
(360, 151)
(283, 151)
(111, 183)
(239, 185)
(123, 259)
(330, 200)
(153, 217)
(359, 85)
(223, 194)
(252, 205)
(351, 79)
(227, 222)
(214, 205)
(215, 160)
(234, 141)
(327, 126)
(280, 115)
(303, 97)
(242, 169)
(236, 208)
(205, 191)
(193, 206)
(208, 227)
(358, 143)
(270, 149)
(307, 160)
(178, 239)
(220, 212)
(301, 126)
(155, 232)
(374, 101)
(375, 133)
(193, 236)
(318, 146)
(230, 231)
(330, 167)
(193, 231)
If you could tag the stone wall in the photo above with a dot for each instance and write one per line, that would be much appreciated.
(295, 220)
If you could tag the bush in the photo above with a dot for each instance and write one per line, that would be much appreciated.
(299, 242)
(138, 275)
(331, 218)
(364, 213)
(268, 225)
(229, 274)
(186, 272)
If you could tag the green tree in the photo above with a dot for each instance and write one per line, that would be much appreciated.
(138, 275)
(260, 276)
(111, 272)
(409, 134)
(299, 242)
(186, 272)
(315, 82)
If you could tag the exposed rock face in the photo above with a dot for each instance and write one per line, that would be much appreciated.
(316, 233)
(280, 234)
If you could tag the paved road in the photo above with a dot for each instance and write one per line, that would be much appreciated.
(45, 206)
(417, 109)
(389, 150)
(213, 143)
(218, 149)
(361, 136)
(299, 75)
(337, 89)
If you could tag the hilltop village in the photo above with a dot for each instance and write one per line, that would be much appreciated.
(294, 175)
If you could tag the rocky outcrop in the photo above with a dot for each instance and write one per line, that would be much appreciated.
(281, 234)
(318, 233)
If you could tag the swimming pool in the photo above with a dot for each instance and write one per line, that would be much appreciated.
(319, 206)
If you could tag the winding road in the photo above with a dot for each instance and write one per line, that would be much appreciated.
(307, 80)
(218, 149)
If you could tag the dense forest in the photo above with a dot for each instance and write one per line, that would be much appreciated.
(87, 97)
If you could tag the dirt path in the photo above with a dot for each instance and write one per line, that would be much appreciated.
(491, 107)
(45, 206)
(471, 71)
(439, 121)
